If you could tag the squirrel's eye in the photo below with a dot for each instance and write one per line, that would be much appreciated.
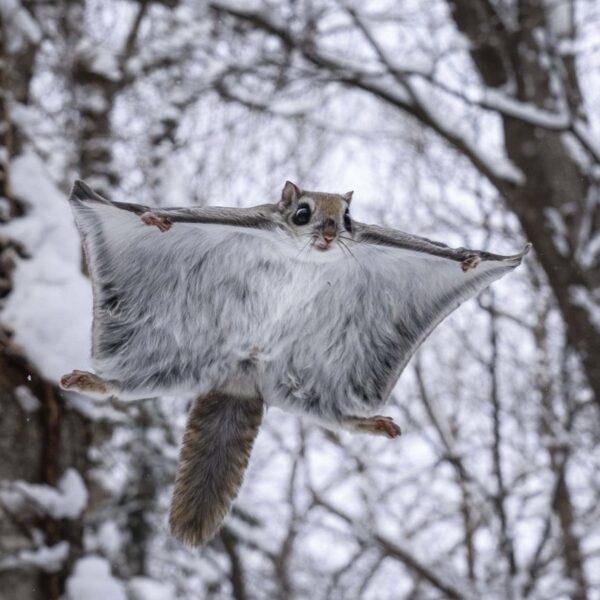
(302, 215)
(347, 221)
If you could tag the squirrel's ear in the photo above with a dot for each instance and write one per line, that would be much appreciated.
(348, 197)
(289, 194)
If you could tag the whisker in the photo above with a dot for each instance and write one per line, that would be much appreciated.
(303, 248)
(344, 245)
(348, 251)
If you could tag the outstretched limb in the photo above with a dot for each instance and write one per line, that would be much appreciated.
(468, 259)
(377, 425)
(265, 216)
(88, 383)
(257, 217)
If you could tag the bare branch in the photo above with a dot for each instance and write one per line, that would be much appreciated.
(501, 175)
(389, 548)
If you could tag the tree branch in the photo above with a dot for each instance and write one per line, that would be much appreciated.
(502, 175)
(404, 556)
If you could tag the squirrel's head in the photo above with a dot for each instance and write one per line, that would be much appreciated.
(321, 218)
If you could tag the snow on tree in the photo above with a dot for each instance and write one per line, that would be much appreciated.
(470, 122)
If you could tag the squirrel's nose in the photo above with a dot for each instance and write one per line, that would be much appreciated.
(329, 230)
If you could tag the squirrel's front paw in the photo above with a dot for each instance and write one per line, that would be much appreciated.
(149, 218)
(470, 262)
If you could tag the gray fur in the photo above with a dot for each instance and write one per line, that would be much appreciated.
(239, 306)
(205, 305)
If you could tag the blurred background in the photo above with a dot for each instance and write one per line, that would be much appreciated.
(475, 122)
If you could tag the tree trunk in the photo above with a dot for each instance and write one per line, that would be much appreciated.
(555, 182)
(40, 438)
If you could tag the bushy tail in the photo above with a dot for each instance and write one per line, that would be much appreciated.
(216, 447)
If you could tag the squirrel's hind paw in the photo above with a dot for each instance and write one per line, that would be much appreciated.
(88, 383)
(377, 425)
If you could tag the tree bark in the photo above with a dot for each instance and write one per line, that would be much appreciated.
(553, 178)
(38, 445)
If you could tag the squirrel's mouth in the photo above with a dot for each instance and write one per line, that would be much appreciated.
(323, 245)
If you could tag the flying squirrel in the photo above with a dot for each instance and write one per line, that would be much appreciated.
(292, 304)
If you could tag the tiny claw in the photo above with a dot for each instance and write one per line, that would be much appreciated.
(86, 382)
(387, 426)
(75, 379)
(378, 425)
(470, 263)
(163, 223)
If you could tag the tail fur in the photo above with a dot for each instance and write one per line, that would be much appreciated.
(220, 432)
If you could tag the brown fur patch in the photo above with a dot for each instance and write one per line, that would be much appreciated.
(220, 432)
(329, 205)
